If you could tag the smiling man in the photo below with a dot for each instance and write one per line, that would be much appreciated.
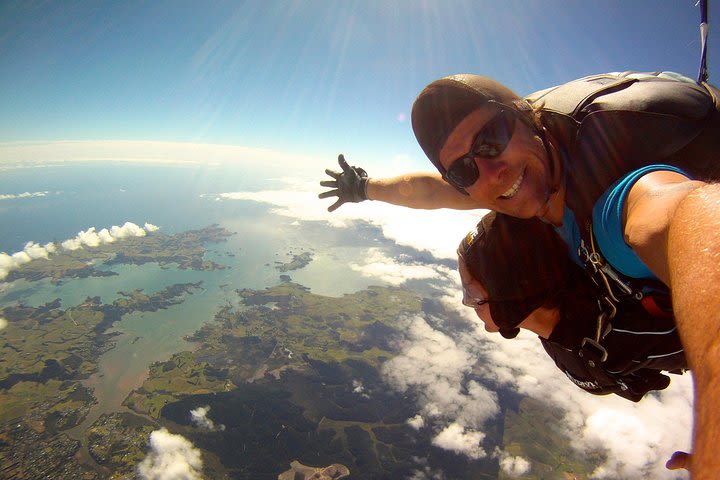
(623, 161)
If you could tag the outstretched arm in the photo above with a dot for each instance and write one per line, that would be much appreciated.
(424, 190)
(674, 226)
(694, 266)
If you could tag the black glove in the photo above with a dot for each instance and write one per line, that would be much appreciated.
(350, 185)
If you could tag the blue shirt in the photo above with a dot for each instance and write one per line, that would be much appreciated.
(608, 227)
(570, 232)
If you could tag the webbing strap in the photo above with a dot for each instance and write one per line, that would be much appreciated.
(614, 288)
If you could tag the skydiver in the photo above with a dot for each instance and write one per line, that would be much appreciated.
(516, 274)
(636, 155)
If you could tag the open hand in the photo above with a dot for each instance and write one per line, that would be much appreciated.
(350, 185)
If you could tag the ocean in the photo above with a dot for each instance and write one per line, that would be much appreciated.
(175, 199)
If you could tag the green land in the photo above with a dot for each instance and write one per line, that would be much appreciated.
(298, 261)
(277, 370)
(46, 352)
(183, 250)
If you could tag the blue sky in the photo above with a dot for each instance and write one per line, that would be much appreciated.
(312, 77)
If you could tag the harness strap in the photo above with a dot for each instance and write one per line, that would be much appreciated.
(633, 387)
(602, 273)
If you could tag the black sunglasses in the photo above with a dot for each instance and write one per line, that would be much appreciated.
(490, 142)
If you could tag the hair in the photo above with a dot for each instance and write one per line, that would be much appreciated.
(522, 263)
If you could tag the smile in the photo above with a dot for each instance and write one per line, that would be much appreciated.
(514, 189)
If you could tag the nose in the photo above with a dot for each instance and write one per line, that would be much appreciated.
(491, 171)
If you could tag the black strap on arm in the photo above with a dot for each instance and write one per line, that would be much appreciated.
(703, 73)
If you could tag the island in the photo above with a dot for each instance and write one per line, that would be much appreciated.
(47, 351)
(186, 250)
(298, 471)
(298, 261)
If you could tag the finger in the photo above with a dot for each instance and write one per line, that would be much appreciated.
(334, 175)
(678, 461)
(343, 164)
(335, 205)
(329, 183)
(329, 193)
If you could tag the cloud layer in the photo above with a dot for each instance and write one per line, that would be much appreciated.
(58, 153)
(376, 264)
(439, 364)
(436, 231)
(11, 196)
(87, 238)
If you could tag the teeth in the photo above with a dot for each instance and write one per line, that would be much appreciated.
(513, 190)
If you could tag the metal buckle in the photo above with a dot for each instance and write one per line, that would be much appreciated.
(599, 349)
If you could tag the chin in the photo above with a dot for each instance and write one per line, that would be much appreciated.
(521, 211)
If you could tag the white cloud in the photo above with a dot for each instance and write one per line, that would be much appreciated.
(84, 238)
(31, 252)
(151, 228)
(128, 229)
(424, 472)
(58, 153)
(358, 386)
(375, 264)
(91, 238)
(171, 457)
(36, 251)
(417, 422)
(200, 419)
(11, 196)
(436, 366)
(3, 323)
(514, 466)
(636, 438)
(657, 426)
(461, 440)
(437, 231)
(105, 236)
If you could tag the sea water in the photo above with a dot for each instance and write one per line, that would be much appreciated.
(175, 199)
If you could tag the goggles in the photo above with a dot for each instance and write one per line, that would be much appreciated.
(474, 302)
(489, 143)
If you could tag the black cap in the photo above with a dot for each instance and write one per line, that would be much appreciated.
(522, 263)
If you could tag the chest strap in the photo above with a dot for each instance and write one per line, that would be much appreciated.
(613, 285)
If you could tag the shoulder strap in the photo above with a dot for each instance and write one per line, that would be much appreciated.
(613, 285)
